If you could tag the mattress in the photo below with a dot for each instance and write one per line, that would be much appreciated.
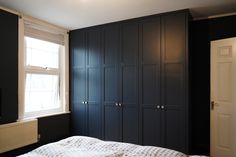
(81, 146)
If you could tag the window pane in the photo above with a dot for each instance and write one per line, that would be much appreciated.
(41, 53)
(41, 92)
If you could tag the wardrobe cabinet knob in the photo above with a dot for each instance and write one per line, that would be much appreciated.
(158, 106)
(162, 107)
(116, 104)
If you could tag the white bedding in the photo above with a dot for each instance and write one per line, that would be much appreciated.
(81, 146)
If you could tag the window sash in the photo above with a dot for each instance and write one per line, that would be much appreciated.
(61, 47)
(42, 70)
(29, 69)
(46, 111)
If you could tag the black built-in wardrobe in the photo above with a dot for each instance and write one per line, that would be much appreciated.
(8, 67)
(129, 81)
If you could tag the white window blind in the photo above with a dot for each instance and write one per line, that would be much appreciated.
(40, 31)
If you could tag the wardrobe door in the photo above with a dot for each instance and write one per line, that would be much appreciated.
(150, 89)
(78, 81)
(93, 71)
(174, 81)
(112, 117)
(128, 72)
(8, 67)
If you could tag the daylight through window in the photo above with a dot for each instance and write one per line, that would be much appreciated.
(44, 71)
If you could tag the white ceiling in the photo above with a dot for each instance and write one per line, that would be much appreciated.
(73, 14)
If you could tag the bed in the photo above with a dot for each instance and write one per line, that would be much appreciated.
(82, 146)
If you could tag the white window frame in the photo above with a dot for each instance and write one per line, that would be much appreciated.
(63, 73)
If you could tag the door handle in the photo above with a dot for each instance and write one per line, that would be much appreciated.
(120, 104)
(213, 104)
(116, 104)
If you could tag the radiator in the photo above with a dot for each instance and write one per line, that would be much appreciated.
(18, 134)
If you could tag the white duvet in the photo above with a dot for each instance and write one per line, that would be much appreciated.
(81, 146)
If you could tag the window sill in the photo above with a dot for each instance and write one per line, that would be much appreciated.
(42, 116)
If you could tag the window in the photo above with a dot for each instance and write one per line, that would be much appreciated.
(44, 71)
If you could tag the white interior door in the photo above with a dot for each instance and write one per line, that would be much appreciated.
(223, 98)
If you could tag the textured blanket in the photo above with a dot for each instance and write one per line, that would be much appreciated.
(81, 146)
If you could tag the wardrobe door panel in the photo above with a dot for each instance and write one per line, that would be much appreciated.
(78, 85)
(78, 82)
(129, 85)
(112, 123)
(150, 85)
(175, 131)
(129, 81)
(174, 82)
(94, 101)
(94, 39)
(94, 120)
(111, 86)
(111, 111)
(150, 29)
(174, 30)
(129, 63)
(93, 66)
(78, 48)
(78, 69)
(130, 124)
(130, 41)
(110, 63)
(150, 74)
(94, 85)
(174, 58)
(111, 44)
(151, 119)
(150, 61)
(79, 119)
(78, 107)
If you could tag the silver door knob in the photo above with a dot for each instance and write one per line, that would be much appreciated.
(86, 102)
(83, 102)
(162, 107)
(116, 104)
(158, 106)
(120, 104)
